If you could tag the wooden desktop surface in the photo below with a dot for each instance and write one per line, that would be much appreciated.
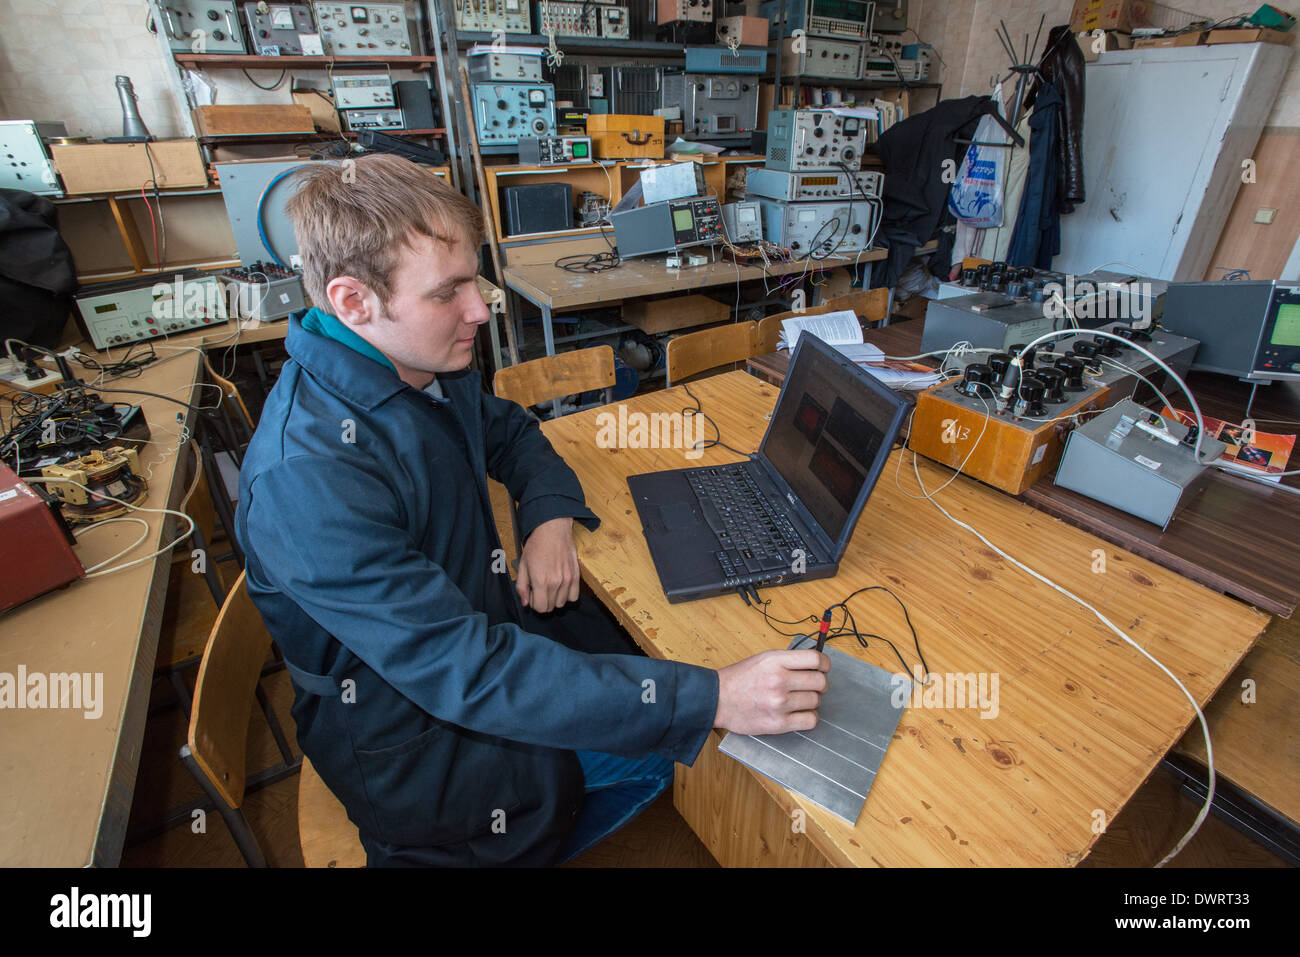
(68, 780)
(1235, 535)
(1083, 719)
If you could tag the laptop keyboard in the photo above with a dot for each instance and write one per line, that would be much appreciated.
(754, 537)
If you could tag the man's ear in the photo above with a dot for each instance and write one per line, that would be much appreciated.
(352, 300)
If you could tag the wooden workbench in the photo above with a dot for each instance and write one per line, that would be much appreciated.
(1083, 719)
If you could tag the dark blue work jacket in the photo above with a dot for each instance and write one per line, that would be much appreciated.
(433, 716)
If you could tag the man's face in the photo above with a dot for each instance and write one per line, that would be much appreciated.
(434, 310)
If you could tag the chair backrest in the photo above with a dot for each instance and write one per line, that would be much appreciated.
(700, 351)
(231, 392)
(871, 305)
(224, 693)
(326, 833)
(197, 503)
(550, 377)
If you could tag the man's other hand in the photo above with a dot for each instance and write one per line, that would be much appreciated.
(772, 693)
(548, 568)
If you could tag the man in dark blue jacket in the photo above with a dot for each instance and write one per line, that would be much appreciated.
(447, 729)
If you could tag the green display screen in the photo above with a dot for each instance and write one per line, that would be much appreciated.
(683, 221)
(579, 150)
(1286, 330)
(106, 307)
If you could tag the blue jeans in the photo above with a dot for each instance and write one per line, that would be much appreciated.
(617, 790)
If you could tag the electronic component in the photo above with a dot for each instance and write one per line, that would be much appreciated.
(554, 150)
(538, 208)
(112, 471)
(799, 140)
(724, 60)
(35, 544)
(667, 227)
(572, 83)
(615, 22)
(377, 142)
(264, 291)
(633, 90)
(505, 64)
(503, 112)
(743, 221)
(1248, 328)
(746, 31)
(279, 30)
(890, 16)
(829, 184)
(420, 110)
(375, 29)
(820, 18)
(362, 91)
(713, 107)
(821, 229)
(355, 120)
(24, 162)
(673, 11)
(568, 19)
(592, 208)
(202, 26)
(147, 307)
(1118, 459)
(888, 58)
(823, 57)
(508, 16)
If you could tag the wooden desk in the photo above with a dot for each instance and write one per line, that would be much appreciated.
(1083, 719)
(1205, 541)
(68, 781)
(548, 287)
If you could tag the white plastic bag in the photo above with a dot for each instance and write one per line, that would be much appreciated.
(976, 196)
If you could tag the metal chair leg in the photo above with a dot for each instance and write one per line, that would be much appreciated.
(233, 817)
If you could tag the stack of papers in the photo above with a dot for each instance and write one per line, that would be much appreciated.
(843, 331)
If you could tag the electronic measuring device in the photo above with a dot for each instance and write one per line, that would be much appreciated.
(505, 64)
(149, 307)
(825, 58)
(802, 187)
(554, 150)
(1023, 441)
(264, 291)
(671, 11)
(215, 21)
(504, 111)
(826, 229)
(851, 19)
(1248, 328)
(508, 16)
(724, 60)
(375, 29)
(667, 226)
(278, 31)
(743, 221)
(799, 140)
(114, 471)
(712, 106)
(354, 121)
(568, 19)
(362, 91)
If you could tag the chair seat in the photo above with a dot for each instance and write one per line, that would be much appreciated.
(328, 838)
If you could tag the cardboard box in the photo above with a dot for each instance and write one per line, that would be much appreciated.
(1195, 38)
(114, 167)
(321, 105)
(1110, 40)
(624, 136)
(680, 312)
(250, 120)
(1254, 35)
(1122, 15)
(751, 30)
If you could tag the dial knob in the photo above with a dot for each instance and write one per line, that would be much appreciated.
(1073, 369)
(1054, 380)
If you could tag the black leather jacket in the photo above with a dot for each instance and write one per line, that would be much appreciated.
(1063, 67)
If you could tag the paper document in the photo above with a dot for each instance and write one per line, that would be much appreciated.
(832, 328)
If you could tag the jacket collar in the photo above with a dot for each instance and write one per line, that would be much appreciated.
(341, 360)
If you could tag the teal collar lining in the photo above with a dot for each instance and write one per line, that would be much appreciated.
(331, 327)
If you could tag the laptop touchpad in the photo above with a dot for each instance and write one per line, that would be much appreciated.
(678, 516)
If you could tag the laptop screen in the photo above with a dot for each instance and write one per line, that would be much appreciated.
(833, 429)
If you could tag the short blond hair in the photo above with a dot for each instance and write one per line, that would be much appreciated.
(353, 218)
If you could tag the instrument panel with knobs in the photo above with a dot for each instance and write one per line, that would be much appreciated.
(376, 29)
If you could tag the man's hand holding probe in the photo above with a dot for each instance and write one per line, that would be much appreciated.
(772, 692)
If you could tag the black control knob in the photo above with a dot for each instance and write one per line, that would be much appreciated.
(983, 271)
(969, 277)
(998, 363)
(1054, 380)
(501, 105)
(999, 269)
(218, 35)
(1105, 346)
(1016, 290)
(848, 154)
(995, 283)
(1032, 392)
(1088, 350)
(855, 230)
(1027, 362)
(1133, 335)
(1073, 369)
(213, 15)
(977, 380)
(1037, 296)
(819, 132)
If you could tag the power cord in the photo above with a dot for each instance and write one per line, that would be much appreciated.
(699, 410)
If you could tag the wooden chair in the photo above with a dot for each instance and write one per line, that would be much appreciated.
(708, 349)
(553, 377)
(327, 836)
(216, 752)
(870, 306)
(532, 383)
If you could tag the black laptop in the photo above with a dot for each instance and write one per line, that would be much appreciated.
(787, 512)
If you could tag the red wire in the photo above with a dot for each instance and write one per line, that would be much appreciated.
(153, 226)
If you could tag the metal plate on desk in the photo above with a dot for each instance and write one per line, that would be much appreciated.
(834, 764)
